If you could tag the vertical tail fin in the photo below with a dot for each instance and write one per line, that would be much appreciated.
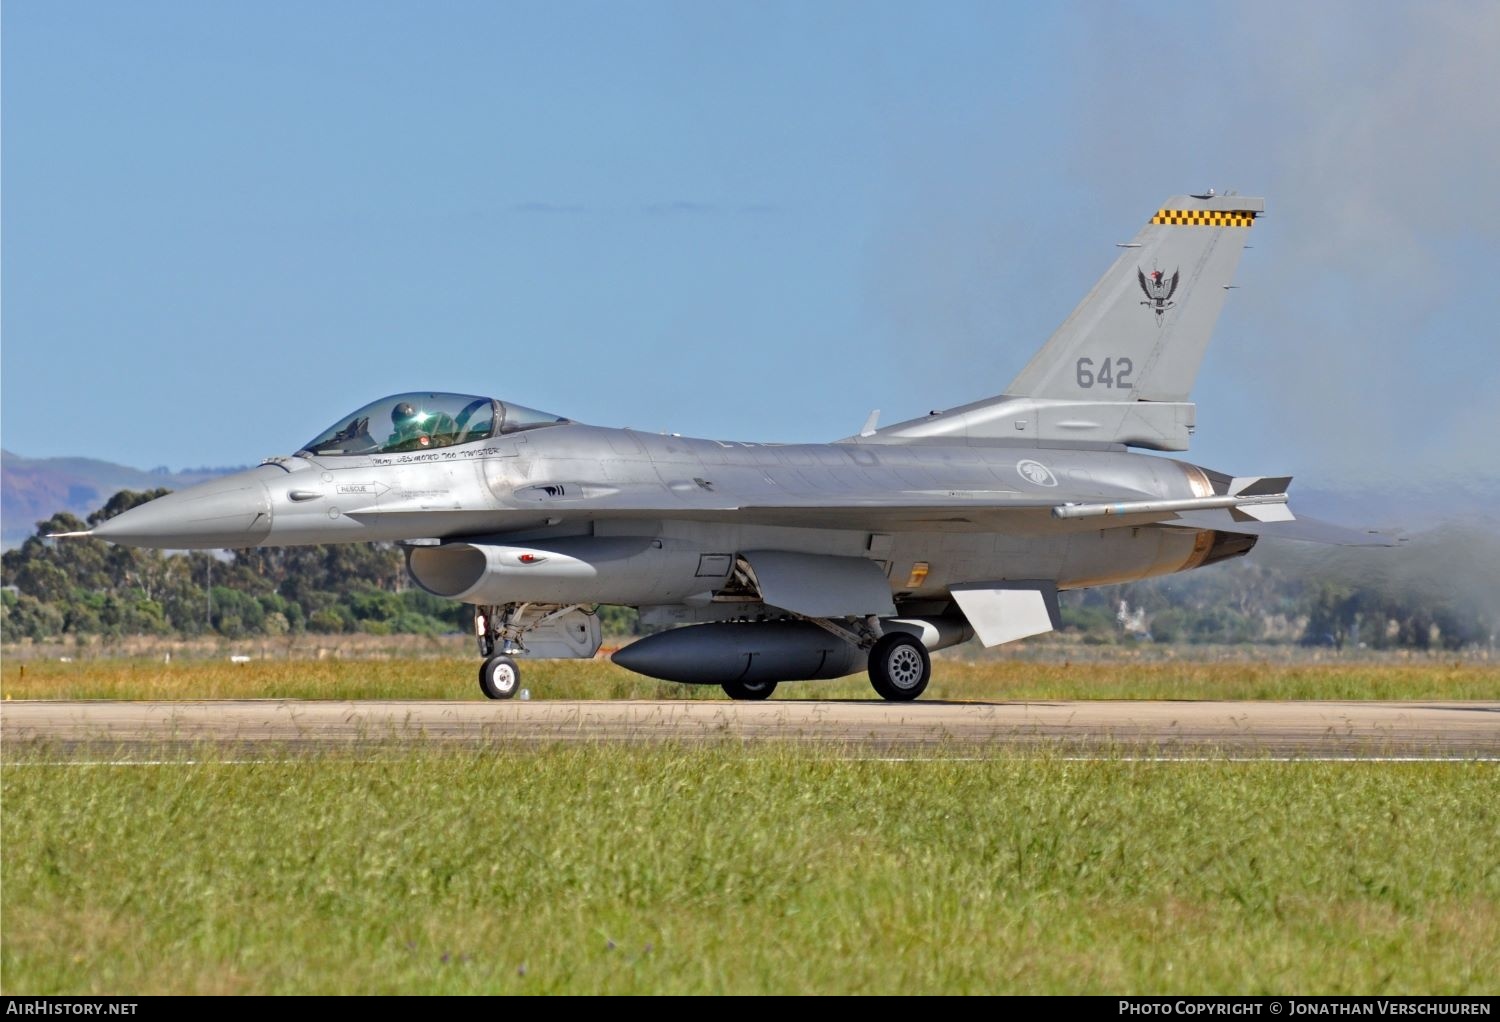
(1120, 368)
(1140, 334)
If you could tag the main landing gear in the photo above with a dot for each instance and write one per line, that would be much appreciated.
(755, 690)
(899, 667)
(898, 662)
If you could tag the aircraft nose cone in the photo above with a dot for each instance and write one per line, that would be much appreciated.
(231, 512)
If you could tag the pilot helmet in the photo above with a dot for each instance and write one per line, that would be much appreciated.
(403, 413)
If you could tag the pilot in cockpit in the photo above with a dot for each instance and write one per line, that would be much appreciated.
(415, 429)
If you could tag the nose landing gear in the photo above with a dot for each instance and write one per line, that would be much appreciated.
(543, 631)
(499, 677)
(499, 674)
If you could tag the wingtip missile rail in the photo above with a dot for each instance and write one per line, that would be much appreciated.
(1146, 507)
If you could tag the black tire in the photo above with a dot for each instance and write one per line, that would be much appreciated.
(900, 667)
(755, 690)
(499, 677)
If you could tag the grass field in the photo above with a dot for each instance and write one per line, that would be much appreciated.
(714, 869)
(455, 678)
(724, 869)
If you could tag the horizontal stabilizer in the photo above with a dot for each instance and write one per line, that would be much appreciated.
(1262, 513)
(1002, 612)
(1258, 486)
(1306, 530)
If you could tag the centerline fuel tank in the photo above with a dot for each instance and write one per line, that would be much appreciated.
(724, 652)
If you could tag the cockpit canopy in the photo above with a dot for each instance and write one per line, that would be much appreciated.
(422, 422)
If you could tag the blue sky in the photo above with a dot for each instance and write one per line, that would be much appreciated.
(226, 224)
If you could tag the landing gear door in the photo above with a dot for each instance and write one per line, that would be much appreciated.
(573, 635)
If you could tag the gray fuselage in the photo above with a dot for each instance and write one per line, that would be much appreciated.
(913, 507)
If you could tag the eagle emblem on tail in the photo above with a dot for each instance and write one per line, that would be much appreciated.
(1158, 288)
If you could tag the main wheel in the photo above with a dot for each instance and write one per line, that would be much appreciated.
(499, 677)
(749, 689)
(899, 667)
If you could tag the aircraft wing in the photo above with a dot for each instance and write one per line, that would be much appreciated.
(1033, 518)
(1043, 520)
(1255, 507)
(900, 511)
(896, 512)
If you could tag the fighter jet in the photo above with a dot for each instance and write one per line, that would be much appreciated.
(787, 562)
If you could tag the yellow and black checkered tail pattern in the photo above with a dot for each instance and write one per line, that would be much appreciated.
(1205, 217)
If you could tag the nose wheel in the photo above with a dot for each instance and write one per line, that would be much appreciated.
(899, 667)
(499, 677)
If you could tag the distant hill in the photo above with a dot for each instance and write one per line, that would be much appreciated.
(34, 489)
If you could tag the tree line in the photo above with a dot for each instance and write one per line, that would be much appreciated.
(86, 587)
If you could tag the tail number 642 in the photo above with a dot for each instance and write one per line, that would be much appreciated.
(1112, 373)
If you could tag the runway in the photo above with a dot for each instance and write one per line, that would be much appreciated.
(1312, 730)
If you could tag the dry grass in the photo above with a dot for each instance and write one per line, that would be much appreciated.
(954, 678)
